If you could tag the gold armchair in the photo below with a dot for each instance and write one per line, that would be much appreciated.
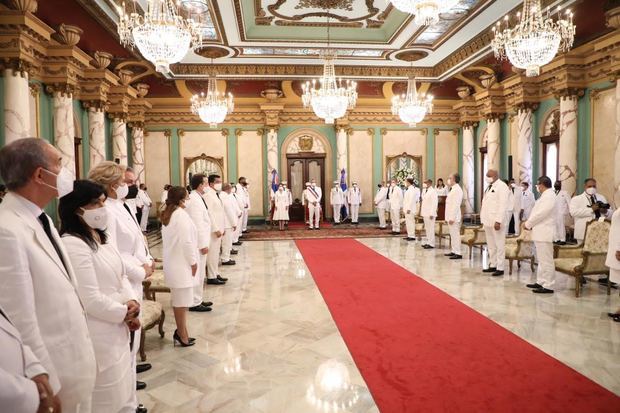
(442, 231)
(585, 259)
(519, 249)
(473, 237)
(155, 284)
(151, 314)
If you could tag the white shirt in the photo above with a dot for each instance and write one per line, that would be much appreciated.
(410, 200)
(216, 210)
(527, 203)
(542, 218)
(562, 203)
(313, 196)
(198, 212)
(180, 244)
(381, 198)
(230, 209)
(453, 204)
(494, 203)
(395, 197)
(336, 196)
(430, 201)
(164, 196)
(354, 196)
(614, 242)
(515, 199)
(443, 191)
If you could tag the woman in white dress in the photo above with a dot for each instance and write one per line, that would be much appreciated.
(180, 242)
(281, 204)
(108, 299)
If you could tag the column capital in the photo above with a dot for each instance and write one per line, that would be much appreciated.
(490, 117)
(469, 124)
(260, 131)
(225, 132)
(180, 133)
(18, 66)
(370, 131)
(571, 93)
(62, 89)
(136, 125)
(383, 131)
(118, 116)
(95, 105)
(168, 133)
(35, 89)
(526, 106)
(238, 132)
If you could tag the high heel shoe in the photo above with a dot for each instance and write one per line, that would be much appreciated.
(177, 339)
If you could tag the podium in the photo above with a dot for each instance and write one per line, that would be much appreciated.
(441, 208)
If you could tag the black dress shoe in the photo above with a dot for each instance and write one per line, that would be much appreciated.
(141, 368)
(207, 303)
(409, 239)
(234, 252)
(215, 281)
(450, 255)
(498, 273)
(141, 409)
(395, 233)
(140, 385)
(490, 269)
(542, 290)
(430, 247)
(219, 277)
(229, 262)
(456, 257)
(200, 308)
(244, 231)
(238, 243)
(535, 285)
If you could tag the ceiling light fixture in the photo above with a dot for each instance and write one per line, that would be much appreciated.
(535, 40)
(426, 12)
(411, 108)
(213, 107)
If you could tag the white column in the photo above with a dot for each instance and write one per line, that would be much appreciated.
(468, 167)
(16, 105)
(524, 144)
(568, 143)
(272, 151)
(137, 140)
(493, 143)
(96, 135)
(617, 149)
(342, 159)
(64, 129)
(119, 140)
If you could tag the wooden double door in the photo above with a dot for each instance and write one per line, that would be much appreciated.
(302, 168)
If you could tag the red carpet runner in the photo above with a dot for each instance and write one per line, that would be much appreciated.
(420, 350)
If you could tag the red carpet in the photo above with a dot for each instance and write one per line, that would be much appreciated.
(420, 350)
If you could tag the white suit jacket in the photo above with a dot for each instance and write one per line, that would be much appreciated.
(336, 196)
(39, 296)
(216, 210)
(542, 218)
(197, 210)
(494, 204)
(453, 204)
(230, 209)
(581, 211)
(312, 197)
(517, 199)
(410, 200)
(614, 242)
(145, 198)
(527, 203)
(18, 365)
(354, 197)
(381, 198)
(430, 200)
(396, 197)
(243, 194)
(180, 242)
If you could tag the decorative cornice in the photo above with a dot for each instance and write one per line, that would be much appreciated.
(225, 132)
(96, 105)
(136, 125)
(469, 124)
(118, 116)
(63, 89)
(569, 93)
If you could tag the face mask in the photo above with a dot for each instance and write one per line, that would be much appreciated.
(489, 179)
(132, 192)
(96, 218)
(313, 185)
(449, 181)
(591, 190)
(513, 185)
(355, 186)
(185, 203)
(218, 187)
(424, 186)
(64, 182)
(280, 189)
(122, 191)
(523, 188)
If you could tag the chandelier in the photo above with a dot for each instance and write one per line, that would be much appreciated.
(162, 35)
(535, 39)
(195, 6)
(411, 107)
(426, 12)
(213, 107)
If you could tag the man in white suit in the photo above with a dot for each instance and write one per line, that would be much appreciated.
(515, 200)
(381, 204)
(586, 206)
(562, 213)
(336, 199)
(354, 198)
(313, 197)
(240, 206)
(38, 284)
(395, 198)
(197, 210)
(410, 207)
(527, 201)
(542, 223)
(493, 216)
(428, 210)
(244, 191)
(218, 226)
(147, 204)
(232, 215)
(613, 255)
(453, 215)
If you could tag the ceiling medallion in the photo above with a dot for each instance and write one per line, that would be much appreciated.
(195, 6)
(411, 107)
(162, 35)
(426, 12)
(536, 39)
(213, 107)
(325, 4)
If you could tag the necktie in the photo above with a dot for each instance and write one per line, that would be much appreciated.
(48, 231)
(388, 194)
(203, 201)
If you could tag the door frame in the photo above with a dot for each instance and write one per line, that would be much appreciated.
(306, 157)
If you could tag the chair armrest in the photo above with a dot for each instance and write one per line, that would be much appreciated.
(573, 251)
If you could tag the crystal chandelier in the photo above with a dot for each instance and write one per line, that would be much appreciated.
(162, 35)
(426, 12)
(535, 39)
(411, 107)
(213, 107)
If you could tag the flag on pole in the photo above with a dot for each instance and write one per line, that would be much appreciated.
(344, 211)
(275, 182)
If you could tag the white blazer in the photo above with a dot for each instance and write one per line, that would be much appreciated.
(18, 365)
(527, 203)
(581, 211)
(243, 194)
(354, 197)
(453, 204)
(230, 209)
(104, 289)
(336, 196)
(410, 200)
(39, 296)
(197, 210)
(312, 197)
(494, 204)
(517, 199)
(180, 242)
(542, 218)
(430, 201)
(395, 197)
(381, 198)
(614, 242)
(216, 210)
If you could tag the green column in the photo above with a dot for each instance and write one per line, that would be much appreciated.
(430, 153)
(377, 157)
(231, 145)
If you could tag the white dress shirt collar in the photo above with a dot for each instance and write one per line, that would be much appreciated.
(27, 205)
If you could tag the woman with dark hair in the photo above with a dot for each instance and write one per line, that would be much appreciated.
(441, 189)
(180, 243)
(105, 292)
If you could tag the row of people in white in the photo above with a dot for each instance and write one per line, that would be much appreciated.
(352, 197)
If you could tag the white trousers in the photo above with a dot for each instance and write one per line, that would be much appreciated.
(496, 243)
(355, 212)
(614, 275)
(246, 214)
(237, 232)
(213, 257)
(134, 362)
(560, 229)
(395, 218)
(227, 240)
(429, 229)
(145, 218)
(455, 238)
(410, 224)
(515, 216)
(200, 279)
(336, 209)
(381, 215)
(315, 215)
(545, 275)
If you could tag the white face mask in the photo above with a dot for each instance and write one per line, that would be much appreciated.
(449, 182)
(64, 182)
(218, 187)
(489, 179)
(591, 191)
(513, 185)
(186, 203)
(313, 185)
(122, 191)
(96, 218)
(424, 186)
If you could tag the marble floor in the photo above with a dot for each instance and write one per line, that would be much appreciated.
(270, 343)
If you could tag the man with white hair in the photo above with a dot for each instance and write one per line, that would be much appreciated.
(494, 216)
(428, 210)
(381, 204)
(395, 197)
(336, 199)
(410, 207)
(354, 198)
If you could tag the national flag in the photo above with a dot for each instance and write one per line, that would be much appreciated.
(344, 211)
(275, 182)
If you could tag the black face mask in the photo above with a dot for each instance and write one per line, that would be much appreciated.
(133, 192)
(557, 187)
(379, 186)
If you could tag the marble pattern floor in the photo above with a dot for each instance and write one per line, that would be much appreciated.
(270, 331)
